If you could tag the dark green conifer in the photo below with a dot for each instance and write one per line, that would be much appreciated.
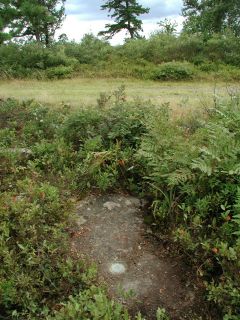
(126, 17)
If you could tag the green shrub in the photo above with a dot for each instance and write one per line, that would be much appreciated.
(53, 156)
(35, 270)
(228, 73)
(173, 71)
(94, 57)
(195, 179)
(7, 137)
(29, 120)
(91, 304)
(223, 48)
(60, 72)
(208, 66)
(161, 314)
(12, 168)
(189, 168)
(106, 141)
(123, 123)
(90, 50)
(143, 72)
(135, 50)
(159, 48)
(81, 126)
(40, 279)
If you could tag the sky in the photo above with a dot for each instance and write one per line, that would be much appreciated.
(86, 17)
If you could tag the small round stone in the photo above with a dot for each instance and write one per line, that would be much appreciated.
(117, 268)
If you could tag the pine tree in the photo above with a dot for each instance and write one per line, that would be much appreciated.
(41, 18)
(7, 14)
(125, 14)
(32, 19)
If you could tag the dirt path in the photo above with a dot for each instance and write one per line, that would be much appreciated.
(112, 234)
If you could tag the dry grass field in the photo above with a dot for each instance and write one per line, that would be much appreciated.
(78, 92)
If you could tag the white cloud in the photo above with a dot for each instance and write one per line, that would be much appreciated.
(83, 17)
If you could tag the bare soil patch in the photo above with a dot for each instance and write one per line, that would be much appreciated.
(112, 234)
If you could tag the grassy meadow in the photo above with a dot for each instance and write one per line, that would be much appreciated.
(78, 92)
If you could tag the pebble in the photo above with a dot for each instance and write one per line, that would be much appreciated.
(110, 205)
(117, 268)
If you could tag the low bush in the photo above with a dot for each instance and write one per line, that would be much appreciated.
(35, 271)
(123, 123)
(189, 168)
(137, 58)
(207, 66)
(91, 304)
(31, 121)
(173, 71)
(228, 73)
(60, 72)
(40, 279)
(106, 141)
(194, 176)
(7, 137)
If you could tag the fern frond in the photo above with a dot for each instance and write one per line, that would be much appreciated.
(179, 177)
(203, 166)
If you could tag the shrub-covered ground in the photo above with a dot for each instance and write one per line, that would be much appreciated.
(161, 57)
(187, 168)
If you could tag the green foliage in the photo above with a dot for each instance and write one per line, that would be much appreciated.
(40, 279)
(210, 16)
(167, 26)
(138, 58)
(125, 13)
(35, 270)
(7, 137)
(53, 157)
(161, 314)
(210, 40)
(32, 19)
(189, 168)
(60, 72)
(91, 50)
(173, 71)
(122, 123)
(194, 175)
(29, 120)
(92, 304)
(7, 13)
(106, 140)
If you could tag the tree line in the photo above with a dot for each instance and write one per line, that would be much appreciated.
(39, 19)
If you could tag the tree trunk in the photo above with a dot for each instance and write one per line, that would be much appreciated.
(38, 36)
(129, 23)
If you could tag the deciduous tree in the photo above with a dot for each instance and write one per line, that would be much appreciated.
(212, 16)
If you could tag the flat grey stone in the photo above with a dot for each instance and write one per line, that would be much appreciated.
(81, 220)
(110, 205)
(117, 268)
